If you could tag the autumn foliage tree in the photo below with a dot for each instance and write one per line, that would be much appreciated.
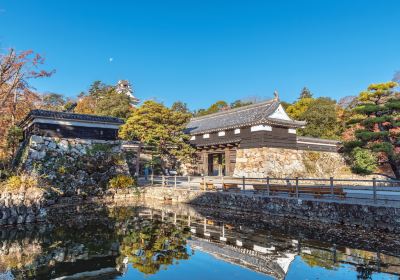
(376, 117)
(17, 96)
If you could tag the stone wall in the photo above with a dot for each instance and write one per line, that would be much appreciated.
(364, 216)
(23, 207)
(74, 166)
(281, 163)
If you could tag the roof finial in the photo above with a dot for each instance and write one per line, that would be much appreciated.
(276, 95)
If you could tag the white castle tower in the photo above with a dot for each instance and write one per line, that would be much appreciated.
(124, 87)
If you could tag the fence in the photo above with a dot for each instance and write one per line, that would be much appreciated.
(355, 190)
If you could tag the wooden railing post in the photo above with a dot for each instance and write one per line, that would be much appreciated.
(268, 185)
(163, 181)
(204, 183)
(188, 181)
(331, 186)
(175, 181)
(374, 188)
(152, 179)
(297, 187)
(244, 183)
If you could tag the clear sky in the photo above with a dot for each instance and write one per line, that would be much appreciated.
(202, 51)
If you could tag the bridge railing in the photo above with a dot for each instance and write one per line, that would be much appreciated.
(349, 190)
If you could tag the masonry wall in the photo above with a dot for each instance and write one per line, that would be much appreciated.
(74, 166)
(281, 163)
(364, 216)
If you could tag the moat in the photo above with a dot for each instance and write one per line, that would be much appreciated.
(152, 240)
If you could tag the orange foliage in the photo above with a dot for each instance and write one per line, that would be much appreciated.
(86, 105)
(16, 96)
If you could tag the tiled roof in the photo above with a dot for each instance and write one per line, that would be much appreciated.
(70, 116)
(240, 117)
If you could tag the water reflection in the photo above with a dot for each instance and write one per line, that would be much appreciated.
(135, 242)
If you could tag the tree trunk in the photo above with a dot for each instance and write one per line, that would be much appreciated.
(391, 158)
(395, 167)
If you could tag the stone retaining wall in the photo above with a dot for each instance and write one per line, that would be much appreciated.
(365, 216)
(281, 163)
(26, 207)
(74, 166)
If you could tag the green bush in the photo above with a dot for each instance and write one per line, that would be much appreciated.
(121, 182)
(363, 161)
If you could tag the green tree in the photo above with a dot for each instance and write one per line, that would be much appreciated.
(14, 137)
(363, 161)
(321, 115)
(156, 125)
(102, 99)
(305, 93)
(377, 122)
(54, 102)
(240, 103)
(114, 104)
(180, 106)
(214, 108)
(322, 119)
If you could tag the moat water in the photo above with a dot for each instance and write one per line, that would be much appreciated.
(147, 242)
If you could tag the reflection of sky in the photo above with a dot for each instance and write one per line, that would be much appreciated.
(201, 266)
(301, 270)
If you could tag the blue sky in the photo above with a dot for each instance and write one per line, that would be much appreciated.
(202, 51)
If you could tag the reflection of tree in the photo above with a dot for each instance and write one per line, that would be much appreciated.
(153, 245)
(364, 272)
(320, 258)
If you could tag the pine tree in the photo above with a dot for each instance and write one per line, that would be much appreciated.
(377, 118)
(305, 93)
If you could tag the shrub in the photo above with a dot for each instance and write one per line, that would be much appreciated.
(99, 148)
(363, 161)
(16, 182)
(121, 182)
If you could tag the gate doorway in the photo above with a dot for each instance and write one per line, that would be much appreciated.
(216, 164)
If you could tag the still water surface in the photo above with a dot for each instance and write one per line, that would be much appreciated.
(147, 243)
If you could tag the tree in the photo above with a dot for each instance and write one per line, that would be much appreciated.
(16, 95)
(162, 128)
(114, 104)
(152, 245)
(377, 122)
(180, 106)
(104, 100)
(16, 69)
(240, 103)
(214, 108)
(305, 93)
(297, 109)
(322, 119)
(53, 101)
(14, 136)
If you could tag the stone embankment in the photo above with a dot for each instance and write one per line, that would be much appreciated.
(32, 206)
(74, 165)
(340, 213)
(20, 208)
